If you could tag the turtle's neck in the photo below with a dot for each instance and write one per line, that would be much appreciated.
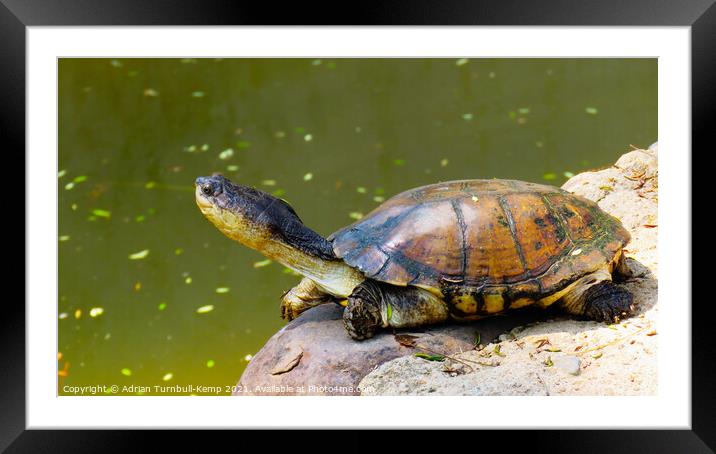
(334, 276)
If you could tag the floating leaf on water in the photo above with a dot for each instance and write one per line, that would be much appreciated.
(279, 134)
(548, 362)
(290, 271)
(308, 177)
(139, 255)
(492, 75)
(190, 149)
(549, 176)
(139, 218)
(222, 290)
(512, 114)
(74, 207)
(444, 162)
(226, 154)
(462, 61)
(150, 92)
(64, 238)
(248, 357)
(243, 144)
(399, 162)
(69, 185)
(61, 173)
(308, 137)
(137, 286)
(101, 213)
(568, 174)
(62, 315)
(205, 309)
(331, 65)
(269, 182)
(299, 130)
(379, 191)
(591, 110)
(78, 313)
(316, 62)
(79, 179)
(232, 168)
(150, 184)
(162, 306)
(126, 372)
(116, 63)
(361, 190)
(197, 94)
(205, 147)
(523, 110)
(467, 116)
(355, 215)
(210, 363)
(188, 280)
(262, 263)
(279, 192)
(378, 199)
(178, 251)
(168, 376)
(430, 357)
(96, 312)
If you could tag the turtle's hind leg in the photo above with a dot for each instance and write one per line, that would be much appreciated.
(595, 296)
(373, 305)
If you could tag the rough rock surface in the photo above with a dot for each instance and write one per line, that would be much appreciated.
(313, 354)
(563, 356)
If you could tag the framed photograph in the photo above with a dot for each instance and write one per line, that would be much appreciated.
(358, 227)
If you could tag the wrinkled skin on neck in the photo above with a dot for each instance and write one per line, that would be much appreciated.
(269, 225)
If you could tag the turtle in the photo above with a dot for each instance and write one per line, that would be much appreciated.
(457, 250)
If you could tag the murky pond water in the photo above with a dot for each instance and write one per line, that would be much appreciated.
(151, 294)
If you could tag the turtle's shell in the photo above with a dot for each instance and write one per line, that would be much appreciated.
(510, 237)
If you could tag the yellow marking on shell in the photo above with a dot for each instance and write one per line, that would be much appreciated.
(493, 302)
(343, 303)
(466, 304)
(521, 302)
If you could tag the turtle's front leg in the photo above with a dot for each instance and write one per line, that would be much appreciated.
(373, 304)
(305, 295)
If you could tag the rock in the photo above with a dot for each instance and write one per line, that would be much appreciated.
(567, 363)
(313, 354)
(565, 356)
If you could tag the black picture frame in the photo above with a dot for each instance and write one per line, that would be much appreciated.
(16, 15)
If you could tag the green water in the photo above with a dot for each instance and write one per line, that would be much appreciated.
(332, 137)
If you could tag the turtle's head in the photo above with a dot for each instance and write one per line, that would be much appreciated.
(258, 220)
(242, 213)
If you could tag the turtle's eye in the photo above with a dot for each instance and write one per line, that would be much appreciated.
(206, 189)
